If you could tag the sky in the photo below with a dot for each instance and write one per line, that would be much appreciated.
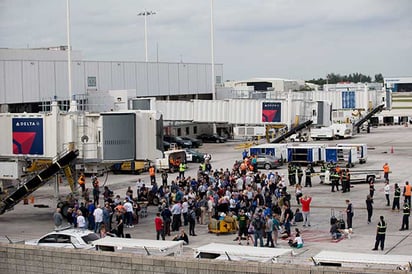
(294, 39)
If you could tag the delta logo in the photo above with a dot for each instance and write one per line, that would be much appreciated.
(28, 136)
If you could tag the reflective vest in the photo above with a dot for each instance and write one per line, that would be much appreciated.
(152, 171)
(397, 192)
(406, 210)
(382, 227)
(81, 180)
(182, 167)
(386, 168)
(407, 191)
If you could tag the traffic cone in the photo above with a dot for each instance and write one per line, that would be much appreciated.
(392, 149)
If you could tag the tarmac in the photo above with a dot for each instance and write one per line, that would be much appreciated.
(389, 144)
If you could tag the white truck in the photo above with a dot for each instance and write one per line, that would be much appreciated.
(317, 133)
(342, 131)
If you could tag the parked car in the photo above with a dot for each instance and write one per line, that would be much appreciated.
(195, 142)
(268, 162)
(195, 156)
(67, 238)
(211, 138)
(177, 140)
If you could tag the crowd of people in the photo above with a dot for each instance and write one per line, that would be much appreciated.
(259, 201)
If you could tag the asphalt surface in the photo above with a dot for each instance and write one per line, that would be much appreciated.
(390, 144)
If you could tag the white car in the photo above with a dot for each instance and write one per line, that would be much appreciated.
(67, 238)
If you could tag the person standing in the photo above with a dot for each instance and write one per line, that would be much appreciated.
(152, 174)
(243, 221)
(182, 168)
(96, 190)
(129, 213)
(349, 213)
(164, 178)
(98, 218)
(386, 172)
(305, 201)
(159, 227)
(380, 234)
(334, 177)
(407, 193)
(82, 182)
(268, 231)
(406, 212)
(308, 176)
(258, 224)
(81, 221)
(299, 171)
(119, 223)
(396, 197)
(176, 216)
(386, 190)
(58, 218)
(371, 188)
(167, 219)
(192, 221)
(369, 207)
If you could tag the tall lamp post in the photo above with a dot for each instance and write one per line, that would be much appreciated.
(212, 51)
(145, 14)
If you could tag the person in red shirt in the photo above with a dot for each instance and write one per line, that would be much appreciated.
(305, 201)
(159, 227)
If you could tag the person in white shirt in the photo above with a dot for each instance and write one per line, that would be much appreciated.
(129, 213)
(98, 218)
(81, 221)
(185, 209)
(176, 216)
(386, 190)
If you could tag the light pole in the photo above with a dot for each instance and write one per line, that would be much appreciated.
(145, 14)
(212, 51)
(69, 58)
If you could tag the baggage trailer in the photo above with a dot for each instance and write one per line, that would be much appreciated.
(378, 261)
(278, 150)
(341, 155)
(305, 154)
(361, 150)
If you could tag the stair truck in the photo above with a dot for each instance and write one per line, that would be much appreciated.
(23, 191)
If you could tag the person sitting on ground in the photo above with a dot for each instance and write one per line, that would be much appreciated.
(298, 241)
(335, 231)
(182, 237)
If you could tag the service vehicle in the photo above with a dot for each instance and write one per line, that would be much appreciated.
(299, 137)
(171, 160)
(134, 167)
(67, 238)
(342, 131)
(268, 161)
(317, 133)
(359, 176)
(195, 156)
